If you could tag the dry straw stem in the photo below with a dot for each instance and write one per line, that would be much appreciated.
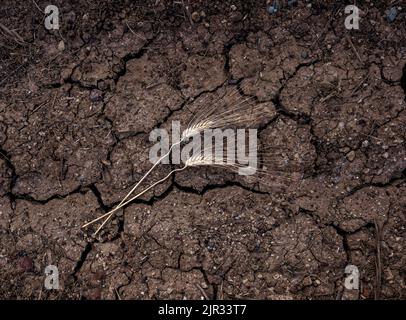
(109, 214)
(11, 34)
(193, 161)
(231, 110)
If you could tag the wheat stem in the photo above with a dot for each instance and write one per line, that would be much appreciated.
(148, 172)
(109, 214)
(135, 187)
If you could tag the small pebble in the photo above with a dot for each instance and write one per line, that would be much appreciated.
(102, 85)
(307, 281)
(273, 8)
(393, 12)
(61, 45)
(96, 95)
(26, 264)
(351, 156)
(195, 16)
(106, 163)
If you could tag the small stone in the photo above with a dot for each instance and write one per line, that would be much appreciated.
(307, 281)
(61, 45)
(345, 150)
(351, 156)
(389, 274)
(305, 55)
(102, 85)
(66, 73)
(273, 8)
(107, 163)
(26, 264)
(233, 7)
(392, 14)
(195, 16)
(96, 95)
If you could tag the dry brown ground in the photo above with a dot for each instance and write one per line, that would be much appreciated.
(74, 127)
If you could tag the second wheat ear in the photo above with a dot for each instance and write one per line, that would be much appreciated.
(232, 110)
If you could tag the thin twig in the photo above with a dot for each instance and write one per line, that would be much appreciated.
(355, 50)
(39, 9)
(361, 83)
(118, 295)
(13, 34)
(378, 262)
(202, 291)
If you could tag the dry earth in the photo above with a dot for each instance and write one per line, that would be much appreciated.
(76, 109)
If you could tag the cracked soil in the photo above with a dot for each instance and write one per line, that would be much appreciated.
(76, 109)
